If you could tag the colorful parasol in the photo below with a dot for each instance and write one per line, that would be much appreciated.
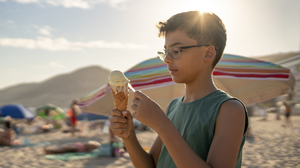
(246, 78)
(252, 80)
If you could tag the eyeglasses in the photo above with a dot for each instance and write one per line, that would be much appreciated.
(174, 52)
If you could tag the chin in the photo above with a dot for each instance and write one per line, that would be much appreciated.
(177, 80)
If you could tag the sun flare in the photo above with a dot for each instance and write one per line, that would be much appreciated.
(203, 6)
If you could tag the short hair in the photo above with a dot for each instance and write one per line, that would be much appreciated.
(205, 27)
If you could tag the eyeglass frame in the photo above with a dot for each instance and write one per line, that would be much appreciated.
(179, 48)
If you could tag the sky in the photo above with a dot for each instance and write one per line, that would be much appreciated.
(43, 38)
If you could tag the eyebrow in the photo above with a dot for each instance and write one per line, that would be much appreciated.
(174, 44)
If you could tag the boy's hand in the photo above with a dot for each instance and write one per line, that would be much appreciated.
(121, 123)
(146, 110)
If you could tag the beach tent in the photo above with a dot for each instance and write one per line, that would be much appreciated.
(16, 111)
(246, 78)
(55, 113)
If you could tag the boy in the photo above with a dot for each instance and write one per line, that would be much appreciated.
(204, 128)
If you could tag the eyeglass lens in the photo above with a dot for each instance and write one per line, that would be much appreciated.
(174, 53)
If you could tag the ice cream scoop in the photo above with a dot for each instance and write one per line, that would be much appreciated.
(118, 82)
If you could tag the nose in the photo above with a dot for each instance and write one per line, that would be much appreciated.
(168, 58)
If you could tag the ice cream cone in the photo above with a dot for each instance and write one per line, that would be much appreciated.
(119, 88)
(120, 100)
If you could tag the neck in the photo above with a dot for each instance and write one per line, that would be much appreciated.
(199, 88)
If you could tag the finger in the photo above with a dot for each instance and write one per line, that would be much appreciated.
(134, 107)
(117, 119)
(136, 101)
(134, 115)
(127, 114)
(118, 125)
(115, 112)
(139, 95)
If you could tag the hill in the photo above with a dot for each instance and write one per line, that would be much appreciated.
(59, 90)
(278, 56)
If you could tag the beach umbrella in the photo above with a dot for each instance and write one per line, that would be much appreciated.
(252, 80)
(246, 78)
(55, 113)
(91, 116)
(16, 111)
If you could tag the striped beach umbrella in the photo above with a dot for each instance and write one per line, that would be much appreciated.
(252, 80)
(248, 79)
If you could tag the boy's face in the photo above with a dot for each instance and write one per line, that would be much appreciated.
(190, 64)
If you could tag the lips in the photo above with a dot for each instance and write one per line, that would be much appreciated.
(172, 71)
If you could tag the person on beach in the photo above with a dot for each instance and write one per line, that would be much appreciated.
(8, 137)
(73, 112)
(48, 120)
(204, 128)
(288, 121)
(73, 147)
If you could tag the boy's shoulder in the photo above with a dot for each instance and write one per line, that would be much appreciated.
(229, 100)
(175, 101)
(214, 97)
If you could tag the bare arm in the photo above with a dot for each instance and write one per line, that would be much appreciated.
(123, 127)
(229, 130)
(140, 158)
(156, 149)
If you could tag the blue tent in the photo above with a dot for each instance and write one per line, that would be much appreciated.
(16, 111)
(91, 116)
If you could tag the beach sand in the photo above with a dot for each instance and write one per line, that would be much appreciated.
(271, 146)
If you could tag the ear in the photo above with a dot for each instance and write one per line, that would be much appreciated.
(210, 53)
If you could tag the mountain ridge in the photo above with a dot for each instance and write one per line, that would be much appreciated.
(59, 90)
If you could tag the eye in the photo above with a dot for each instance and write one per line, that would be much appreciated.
(174, 50)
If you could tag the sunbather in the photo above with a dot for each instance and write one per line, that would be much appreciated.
(8, 136)
(44, 128)
(73, 147)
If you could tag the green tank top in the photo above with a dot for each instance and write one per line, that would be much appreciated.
(195, 121)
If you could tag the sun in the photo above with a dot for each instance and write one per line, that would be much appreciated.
(202, 6)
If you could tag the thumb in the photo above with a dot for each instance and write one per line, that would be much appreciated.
(127, 114)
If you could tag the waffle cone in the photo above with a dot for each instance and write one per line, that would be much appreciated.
(120, 100)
